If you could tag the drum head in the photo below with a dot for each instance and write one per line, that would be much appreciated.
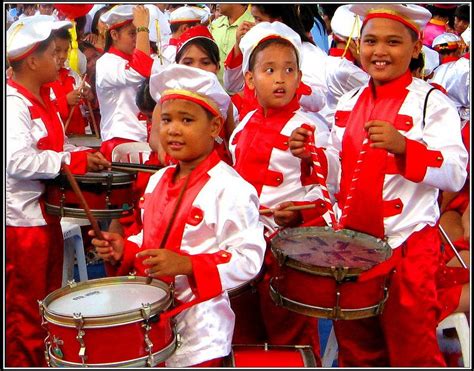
(324, 247)
(106, 300)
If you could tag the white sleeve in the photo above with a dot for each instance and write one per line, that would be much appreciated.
(113, 73)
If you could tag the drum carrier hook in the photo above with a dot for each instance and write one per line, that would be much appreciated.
(79, 322)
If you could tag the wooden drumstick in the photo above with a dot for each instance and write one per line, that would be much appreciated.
(445, 235)
(77, 191)
(126, 168)
(81, 85)
(94, 123)
(171, 221)
(289, 208)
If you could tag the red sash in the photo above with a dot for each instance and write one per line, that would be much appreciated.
(365, 213)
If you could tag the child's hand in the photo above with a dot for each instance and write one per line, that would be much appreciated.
(96, 162)
(298, 139)
(383, 135)
(243, 28)
(87, 93)
(74, 97)
(163, 262)
(141, 16)
(286, 218)
(110, 250)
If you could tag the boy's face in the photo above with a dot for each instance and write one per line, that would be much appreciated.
(194, 56)
(45, 64)
(186, 132)
(386, 49)
(275, 76)
(62, 48)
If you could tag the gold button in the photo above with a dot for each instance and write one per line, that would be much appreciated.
(142, 198)
(408, 123)
(278, 179)
(439, 158)
(397, 206)
(197, 217)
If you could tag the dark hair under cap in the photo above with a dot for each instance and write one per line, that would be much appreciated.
(463, 12)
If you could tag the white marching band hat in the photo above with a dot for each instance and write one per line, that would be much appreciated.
(446, 41)
(186, 13)
(345, 24)
(118, 16)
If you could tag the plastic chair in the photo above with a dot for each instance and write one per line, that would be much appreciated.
(459, 322)
(132, 153)
(330, 351)
(73, 247)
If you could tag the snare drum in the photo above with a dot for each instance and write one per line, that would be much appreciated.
(90, 141)
(319, 270)
(270, 356)
(108, 194)
(111, 322)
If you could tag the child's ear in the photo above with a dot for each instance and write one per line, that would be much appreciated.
(249, 80)
(216, 125)
(417, 49)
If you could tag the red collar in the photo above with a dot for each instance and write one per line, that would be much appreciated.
(44, 92)
(127, 57)
(388, 89)
(338, 52)
(449, 59)
(294, 105)
(173, 41)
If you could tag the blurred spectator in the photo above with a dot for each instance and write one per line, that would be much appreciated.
(439, 23)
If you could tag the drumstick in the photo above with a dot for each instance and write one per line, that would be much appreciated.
(94, 123)
(452, 246)
(77, 191)
(171, 221)
(289, 208)
(319, 173)
(81, 84)
(136, 167)
(126, 168)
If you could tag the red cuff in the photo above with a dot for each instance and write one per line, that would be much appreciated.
(78, 163)
(417, 159)
(206, 282)
(313, 217)
(127, 263)
(233, 61)
(141, 62)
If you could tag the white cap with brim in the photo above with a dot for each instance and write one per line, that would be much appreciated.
(345, 24)
(118, 16)
(413, 16)
(446, 41)
(178, 81)
(264, 31)
(24, 35)
(431, 58)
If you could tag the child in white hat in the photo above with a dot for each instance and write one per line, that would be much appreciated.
(259, 147)
(36, 150)
(453, 73)
(393, 156)
(119, 71)
(216, 240)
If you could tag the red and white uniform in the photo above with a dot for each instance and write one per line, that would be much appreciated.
(396, 198)
(69, 80)
(313, 62)
(118, 76)
(35, 151)
(218, 226)
(169, 51)
(453, 74)
(276, 174)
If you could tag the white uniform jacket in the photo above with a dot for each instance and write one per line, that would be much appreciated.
(268, 163)
(27, 165)
(413, 202)
(223, 217)
(117, 85)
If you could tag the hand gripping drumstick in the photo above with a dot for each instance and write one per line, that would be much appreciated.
(81, 85)
(171, 221)
(86, 208)
(319, 173)
(452, 247)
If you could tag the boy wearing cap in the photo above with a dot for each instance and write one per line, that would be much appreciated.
(36, 150)
(181, 20)
(119, 71)
(215, 240)
(394, 158)
(271, 61)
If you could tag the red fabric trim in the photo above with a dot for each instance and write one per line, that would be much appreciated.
(232, 61)
(417, 159)
(191, 99)
(120, 24)
(439, 87)
(449, 59)
(25, 54)
(127, 57)
(338, 52)
(78, 163)
(196, 216)
(341, 117)
(395, 18)
(403, 122)
(141, 62)
(313, 217)
(392, 207)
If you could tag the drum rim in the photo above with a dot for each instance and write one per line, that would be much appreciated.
(121, 318)
(321, 270)
(72, 212)
(158, 357)
(246, 286)
(118, 178)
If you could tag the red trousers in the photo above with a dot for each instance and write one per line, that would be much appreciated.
(34, 261)
(404, 335)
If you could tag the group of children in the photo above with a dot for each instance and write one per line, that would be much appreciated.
(394, 143)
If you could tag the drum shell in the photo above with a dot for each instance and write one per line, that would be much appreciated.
(112, 344)
(321, 291)
(270, 356)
